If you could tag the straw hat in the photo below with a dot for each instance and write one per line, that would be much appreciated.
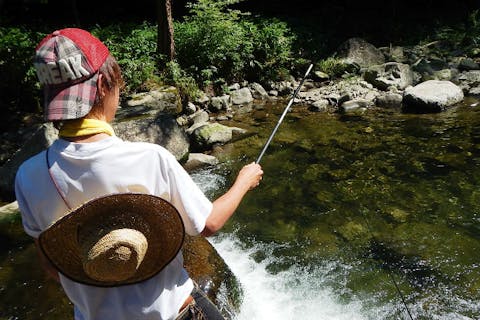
(115, 240)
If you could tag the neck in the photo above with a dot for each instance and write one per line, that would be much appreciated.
(85, 130)
(89, 138)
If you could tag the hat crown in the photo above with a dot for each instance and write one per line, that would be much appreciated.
(135, 234)
(116, 256)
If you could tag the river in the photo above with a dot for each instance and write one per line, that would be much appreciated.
(350, 208)
(354, 214)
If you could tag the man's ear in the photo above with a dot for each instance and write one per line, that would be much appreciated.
(101, 89)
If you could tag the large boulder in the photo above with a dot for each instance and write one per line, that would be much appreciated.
(42, 137)
(432, 96)
(163, 130)
(360, 52)
(241, 96)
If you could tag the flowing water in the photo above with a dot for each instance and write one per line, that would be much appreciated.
(349, 208)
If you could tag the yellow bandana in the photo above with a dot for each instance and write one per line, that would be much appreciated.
(85, 127)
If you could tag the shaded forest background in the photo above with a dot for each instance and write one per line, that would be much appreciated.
(380, 22)
(319, 28)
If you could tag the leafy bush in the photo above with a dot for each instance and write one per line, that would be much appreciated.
(186, 85)
(332, 66)
(215, 42)
(19, 85)
(272, 54)
(211, 43)
(134, 47)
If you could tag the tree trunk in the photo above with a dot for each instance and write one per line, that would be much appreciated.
(165, 41)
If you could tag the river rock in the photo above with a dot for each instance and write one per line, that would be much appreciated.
(391, 74)
(210, 134)
(41, 138)
(467, 64)
(163, 130)
(468, 80)
(241, 96)
(165, 100)
(258, 92)
(354, 107)
(220, 103)
(389, 100)
(432, 96)
(361, 52)
(198, 160)
(320, 105)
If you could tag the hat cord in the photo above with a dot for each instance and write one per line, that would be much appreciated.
(62, 195)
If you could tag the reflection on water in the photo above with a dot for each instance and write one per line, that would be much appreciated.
(346, 204)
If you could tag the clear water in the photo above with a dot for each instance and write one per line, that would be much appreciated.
(348, 207)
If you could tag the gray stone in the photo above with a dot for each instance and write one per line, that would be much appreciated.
(165, 100)
(220, 103)
(357, 106)
(41, 139)
(389, 100)
(467, 64)
(432, 96)
(207, 135)
(258, 92)
(359, 51)
(241, 96)
(199, 160)
(390, 74)
(163, 130)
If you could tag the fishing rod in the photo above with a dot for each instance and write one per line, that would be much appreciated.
(283, 114)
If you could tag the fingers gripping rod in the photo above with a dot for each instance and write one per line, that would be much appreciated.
(283, 114)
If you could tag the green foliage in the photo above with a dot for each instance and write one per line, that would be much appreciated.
(332, 66)
(211, 42)
(19, 84)
(466, 35)
(186, 85)
(134, 47)
(216, 42)
(272, 48)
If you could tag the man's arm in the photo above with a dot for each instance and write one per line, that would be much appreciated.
(224, 207)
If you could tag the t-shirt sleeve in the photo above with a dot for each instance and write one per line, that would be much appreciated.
(186, 196)
(30, 225)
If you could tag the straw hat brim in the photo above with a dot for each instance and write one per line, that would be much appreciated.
(160, 223)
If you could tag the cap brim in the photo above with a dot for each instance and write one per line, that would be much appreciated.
(70, 102)
(165, 235)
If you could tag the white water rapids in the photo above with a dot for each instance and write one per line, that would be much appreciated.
(298, 293)
(288, 295)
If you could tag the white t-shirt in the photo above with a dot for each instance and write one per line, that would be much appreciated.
(84, 171)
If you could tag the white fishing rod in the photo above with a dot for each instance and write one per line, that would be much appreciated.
(283, 114)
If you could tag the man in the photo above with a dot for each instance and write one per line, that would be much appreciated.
(81, 83)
